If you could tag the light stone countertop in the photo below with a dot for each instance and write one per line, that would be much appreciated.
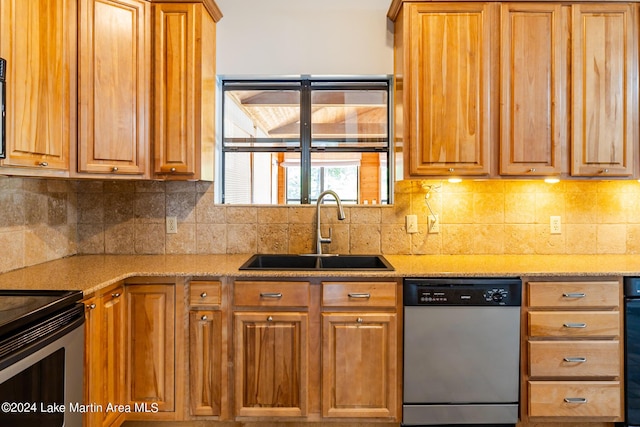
(90, 273)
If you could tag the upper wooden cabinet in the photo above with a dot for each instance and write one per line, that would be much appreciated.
(39, 43)
(443, 62)
(604, 81)
(114, 87)
(533, 89)
(184, 90)
(549, 88)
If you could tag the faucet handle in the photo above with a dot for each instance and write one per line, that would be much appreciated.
(326, 239)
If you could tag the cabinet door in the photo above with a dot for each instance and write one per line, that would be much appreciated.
(113, 353)
(39, 44)
(533, 89)
(359, 365)
(450, 88)
(205, 361)
(271, 357)
(604, 85)
(184, 90)
(92, 361)
(151, 345)
(114, 86)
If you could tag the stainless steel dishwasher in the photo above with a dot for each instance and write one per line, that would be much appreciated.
(461, 351)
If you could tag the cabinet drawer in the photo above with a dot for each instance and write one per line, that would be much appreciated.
(204, 293)
(574, 324)
(271, 294)
(575, 399)
(574, 294)
(574, 359)
(359, 294)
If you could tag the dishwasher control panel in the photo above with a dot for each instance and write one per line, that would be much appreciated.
(461, 292)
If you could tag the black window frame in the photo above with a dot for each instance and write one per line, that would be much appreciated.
(306, 85)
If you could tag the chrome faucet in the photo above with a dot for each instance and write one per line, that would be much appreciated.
(319, 239)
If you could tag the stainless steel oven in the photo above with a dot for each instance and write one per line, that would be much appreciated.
(41, 358)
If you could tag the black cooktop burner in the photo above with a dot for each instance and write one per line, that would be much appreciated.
(19, 308)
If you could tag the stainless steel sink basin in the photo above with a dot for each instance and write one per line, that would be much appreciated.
(315, 262)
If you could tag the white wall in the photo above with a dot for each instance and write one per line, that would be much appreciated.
(293, 37)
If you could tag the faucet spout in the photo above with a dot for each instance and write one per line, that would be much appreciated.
(319, 238)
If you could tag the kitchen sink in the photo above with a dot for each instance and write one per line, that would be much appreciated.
(317, 262)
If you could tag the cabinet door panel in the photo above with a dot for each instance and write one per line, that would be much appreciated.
(39, 44)
(450, 129)
(359, 368)
(151, 344)
(113, 348)
(604, 86)
(205, 340)
(271, 364)
(114, 86)
(533, 81)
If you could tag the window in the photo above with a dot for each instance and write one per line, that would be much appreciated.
(285, 141)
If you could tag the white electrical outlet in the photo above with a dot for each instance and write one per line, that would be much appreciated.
(411, 223)
(555, 224)
(434, 224)
(172, 225)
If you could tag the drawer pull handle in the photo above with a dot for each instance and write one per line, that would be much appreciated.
(115, 295)
(270, 294)
(574, 295)
(359, 295)
(269, 319)
(575, 325)
(92, 306)
(575, 400)
(43, 164)
(575, 359)
(204, 317)
(203, 295)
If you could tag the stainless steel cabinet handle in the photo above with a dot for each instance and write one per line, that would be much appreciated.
(575, 359)
(359, 320)
(92, 306)
(359, 295)
(204, 317)
(575, 325)
(115, 295)
(203, 295)
(575, 400)
(574, 295)
(43, 164)
(270, 294)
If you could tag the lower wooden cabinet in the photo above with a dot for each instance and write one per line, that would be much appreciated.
(359, 365)
(573, 350)
(151, 348)
(206, 349)
(105, 357)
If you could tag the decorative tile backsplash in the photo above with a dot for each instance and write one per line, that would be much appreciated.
(48, 219)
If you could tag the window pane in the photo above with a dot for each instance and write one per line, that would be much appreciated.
(261, 118)
(349, 118)
(261, 177)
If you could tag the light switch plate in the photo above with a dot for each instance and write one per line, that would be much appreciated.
(411, 223)
(555, 224)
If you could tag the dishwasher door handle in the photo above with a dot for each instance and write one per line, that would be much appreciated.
(575, 325)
